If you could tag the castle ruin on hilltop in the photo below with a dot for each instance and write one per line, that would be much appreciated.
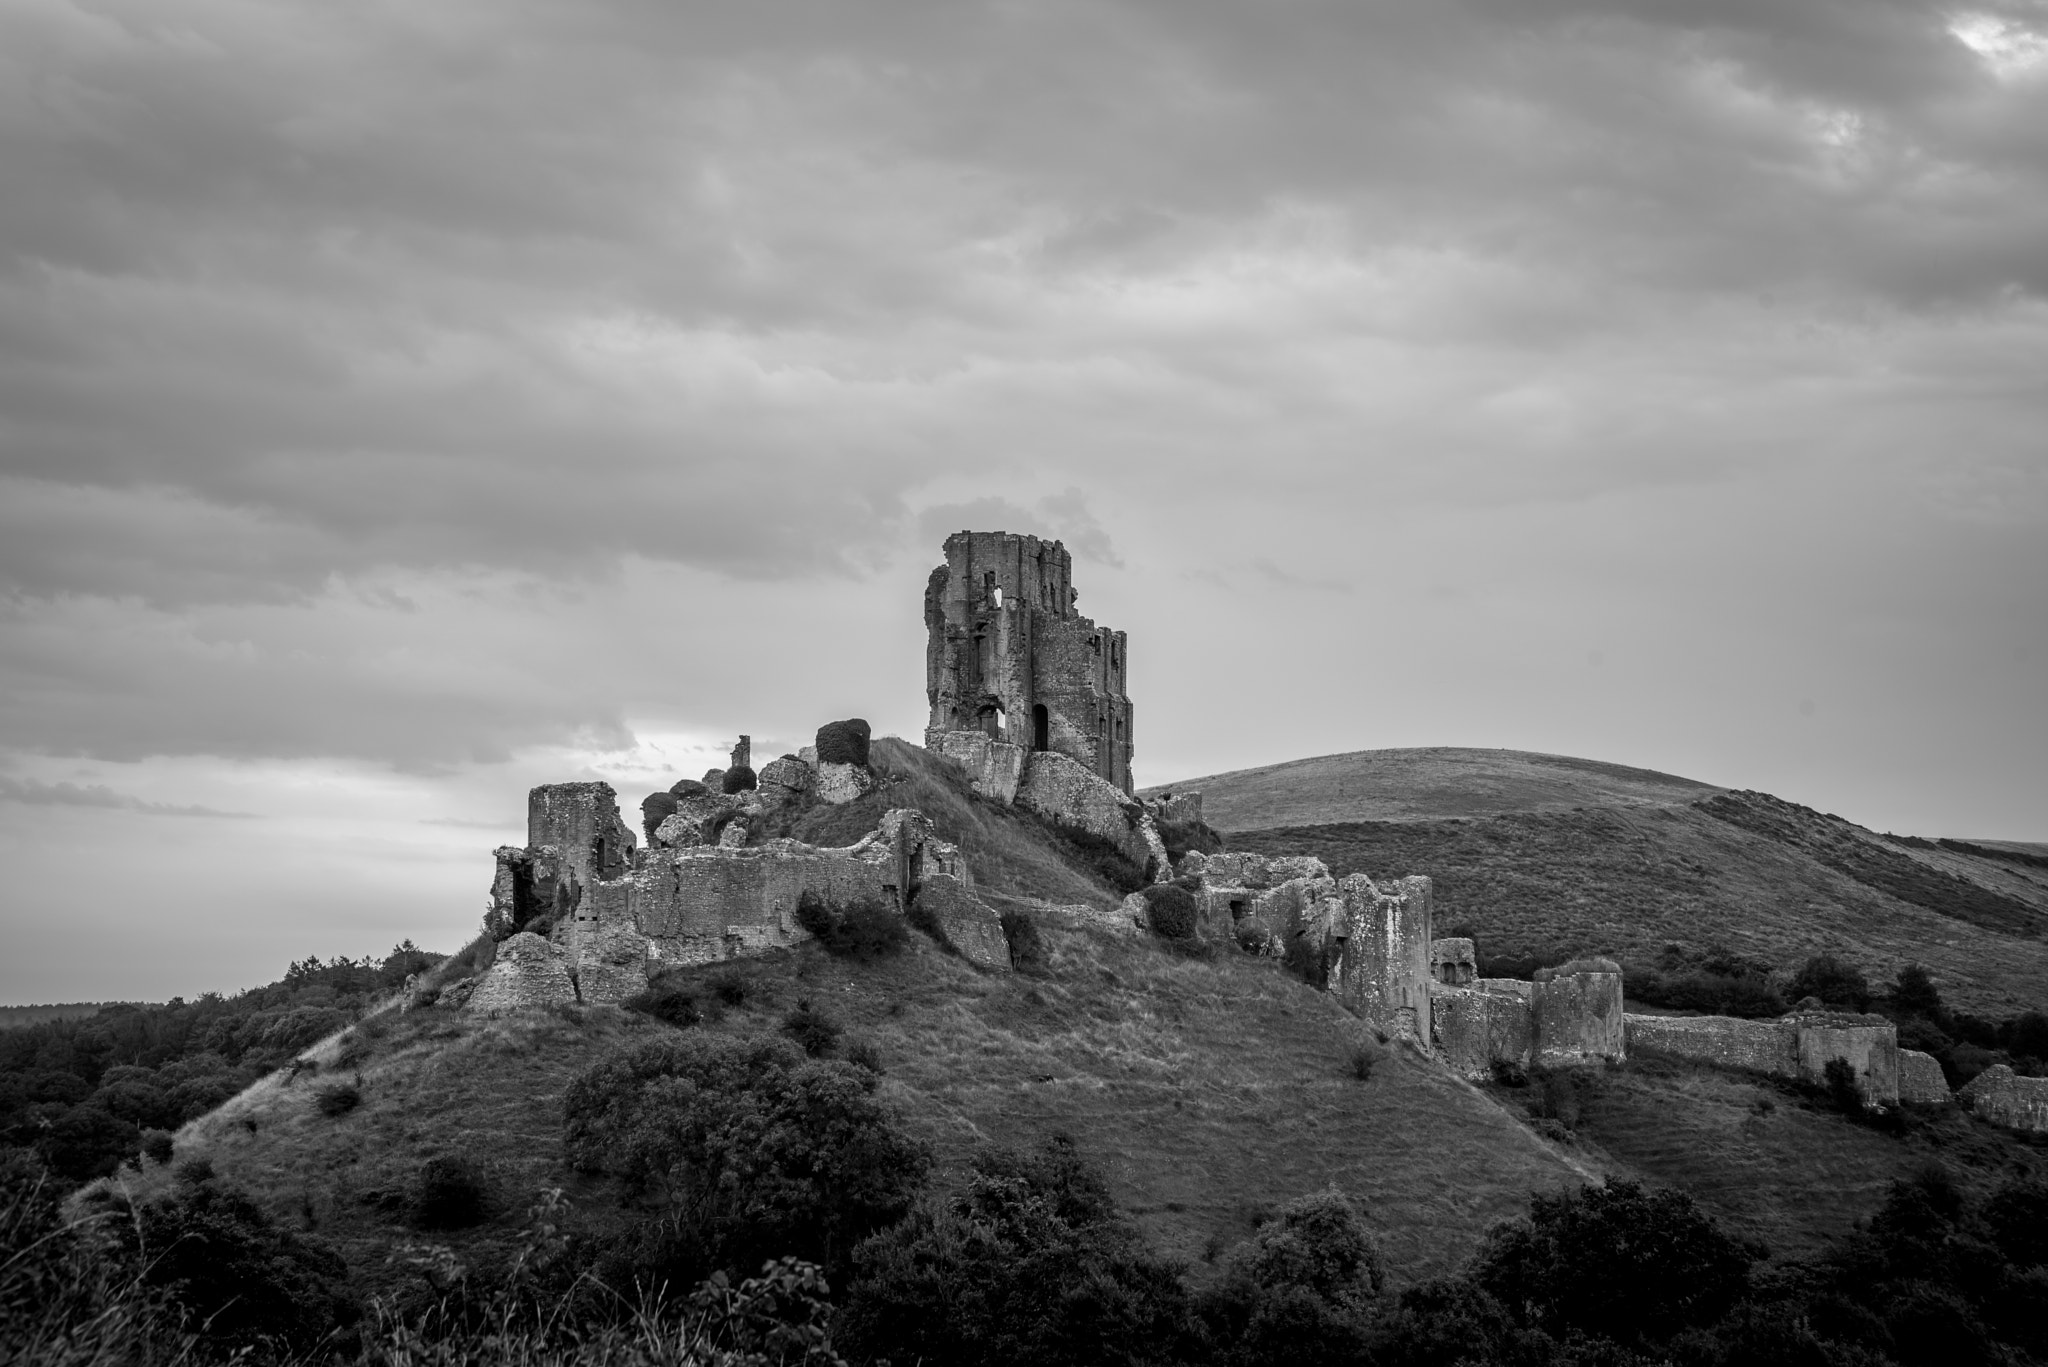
(1028, 697)
(1007, 656)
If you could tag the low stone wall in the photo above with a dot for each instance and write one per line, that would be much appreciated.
(1921, 1080)
(1796, 1047)
(969, 926)
(528, 973)
(2005, 1098)
(1453, 961)
(1476, 1025)
(700, 904)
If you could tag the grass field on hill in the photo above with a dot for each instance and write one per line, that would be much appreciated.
(1208, 1092)
(1424, 784)
(1627, 882)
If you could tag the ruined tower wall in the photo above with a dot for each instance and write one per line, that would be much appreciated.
(1003, 639)
(581, 820)
(1383, 972)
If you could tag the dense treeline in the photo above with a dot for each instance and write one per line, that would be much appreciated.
(764, 1157)
(87, 1093)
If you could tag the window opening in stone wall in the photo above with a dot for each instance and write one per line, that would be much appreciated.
(1237, 908)
(1002, 720)
(996, 596)
(1041, 727)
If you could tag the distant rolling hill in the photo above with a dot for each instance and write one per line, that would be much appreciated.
(1544, 853)
(1426, 784)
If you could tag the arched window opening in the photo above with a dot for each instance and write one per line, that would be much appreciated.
(996, 596)
(1041, 727)
(1002, 720)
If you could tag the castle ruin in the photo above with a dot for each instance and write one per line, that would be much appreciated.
(1029, 698)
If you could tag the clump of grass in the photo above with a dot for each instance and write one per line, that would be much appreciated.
(866, 928)
(337, 1099)
(1364, 1057)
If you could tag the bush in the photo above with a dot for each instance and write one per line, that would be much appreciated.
(1615, 1261)
(1508, 1073)
(216, 1254)
(667, 999)
(739, 779)
(1030, 1264)
(338, 1098)
(867, 928)
(450, 1194)
(1298, 1291)
(1027, 947)
(844, 742)
(157, 1145)
(749, 1149)
(1913, 993)
(1306, 959)
(688, 787)
(86, 1142)
(811, 1030)
(1181, 836)
(656, 808)
(729, 985)
(1171, 911)
(1835, 981)
(862, 1053)
(1363, 1059)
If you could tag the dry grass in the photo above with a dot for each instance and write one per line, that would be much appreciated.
(1424, 784)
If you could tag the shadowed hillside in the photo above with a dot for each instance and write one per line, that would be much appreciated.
(1425, 784)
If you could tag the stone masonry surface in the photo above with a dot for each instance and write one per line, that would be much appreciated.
(2005, 1098)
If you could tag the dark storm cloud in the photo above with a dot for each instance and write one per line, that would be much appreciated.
(37, 793)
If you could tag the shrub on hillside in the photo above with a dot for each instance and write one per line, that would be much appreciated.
(656, 808)
(1913, 993)
(338, 1098)
(1299, 1290)
(1617, 1261)
(1307, 960)
(749, 1149)
(449, 1194)
(741, 778)
(1030, 1264)
(867, 927)
(812, 1030)
(1181, 836)
(668, 998)
(157, 1145)
(688, 787)
(1835, 981)
(1838, 1080)
(87, 1142)
(1171, 911)
(844, 742)
(215, 1253)
(729, 985)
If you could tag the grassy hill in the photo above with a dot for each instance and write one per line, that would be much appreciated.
(1433, 783)
(1212, 1091)
(1540, 854)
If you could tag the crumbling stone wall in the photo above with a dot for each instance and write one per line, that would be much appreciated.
(1454, 961)
(994, 767)
(1490, 1020)
(964, 922)
(581, 821)
(2005, 1098)
(1577, 1012)
(1381, 971)
(527, 973)
(1007, 655)
(1067, 794)
(1796, 1046)
(1921, 1080)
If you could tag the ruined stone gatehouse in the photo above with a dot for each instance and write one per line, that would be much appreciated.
(1008, 657)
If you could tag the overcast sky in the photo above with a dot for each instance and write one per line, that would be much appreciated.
(403, 404)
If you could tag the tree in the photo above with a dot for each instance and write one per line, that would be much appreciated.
(1914, 993)
(1834, 981)
(1617, 1262)
(1031, 1266)
(1298, 1290)
(747, 1150)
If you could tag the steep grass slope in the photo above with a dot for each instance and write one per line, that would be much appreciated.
(1424, 784)
(1764, 879)
(1209, 1092)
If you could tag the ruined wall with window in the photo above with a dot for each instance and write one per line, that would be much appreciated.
(1007, 656)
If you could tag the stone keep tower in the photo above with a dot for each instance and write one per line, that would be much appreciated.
(1006, 655)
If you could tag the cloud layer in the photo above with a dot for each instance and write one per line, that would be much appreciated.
(433, 388)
